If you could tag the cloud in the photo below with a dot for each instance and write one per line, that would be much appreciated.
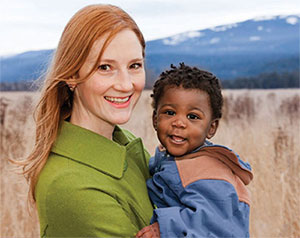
(38, 24)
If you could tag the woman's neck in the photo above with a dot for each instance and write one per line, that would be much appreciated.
(100, 127)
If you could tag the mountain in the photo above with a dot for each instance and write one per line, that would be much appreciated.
(244, 49)
(24, 67)
(280, 34)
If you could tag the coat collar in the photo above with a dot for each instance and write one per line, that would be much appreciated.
(92, 149)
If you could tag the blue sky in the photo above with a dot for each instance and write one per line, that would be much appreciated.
(37, 24)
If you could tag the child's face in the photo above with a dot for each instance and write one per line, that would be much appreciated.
(183, 120)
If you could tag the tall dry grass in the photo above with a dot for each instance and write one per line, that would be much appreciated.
(263, 127)
(16, 140)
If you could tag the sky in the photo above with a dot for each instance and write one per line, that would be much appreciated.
(37, 24)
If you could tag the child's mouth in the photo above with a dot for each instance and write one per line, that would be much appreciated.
(177, 139)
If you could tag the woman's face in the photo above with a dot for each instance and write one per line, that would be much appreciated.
(109, 95)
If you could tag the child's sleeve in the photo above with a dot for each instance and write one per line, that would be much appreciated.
(210, 208)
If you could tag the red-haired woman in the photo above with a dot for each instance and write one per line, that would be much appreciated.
(87, 175)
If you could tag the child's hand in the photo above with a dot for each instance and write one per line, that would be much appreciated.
(151, 231)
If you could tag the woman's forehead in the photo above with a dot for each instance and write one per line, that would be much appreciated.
(125, 37)
(96, 48)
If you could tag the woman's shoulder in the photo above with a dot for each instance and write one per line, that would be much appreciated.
(65, 181)
(59, 172)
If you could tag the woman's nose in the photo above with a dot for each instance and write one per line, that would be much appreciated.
(179, 122)
(124, 82)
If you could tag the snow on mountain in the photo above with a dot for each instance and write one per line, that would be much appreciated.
(292, 20)
(257, 35)
(265, 18)
(223, 28)
(174, 40)
(214, 40)
(254, 38)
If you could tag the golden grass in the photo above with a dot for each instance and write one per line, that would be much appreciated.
(262, 126)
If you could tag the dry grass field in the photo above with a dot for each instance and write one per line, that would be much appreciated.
(262, 126)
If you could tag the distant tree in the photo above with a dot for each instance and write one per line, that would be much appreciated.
(18, 86)
(265, 81)
(150, 78)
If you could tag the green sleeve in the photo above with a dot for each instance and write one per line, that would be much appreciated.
(76, 210)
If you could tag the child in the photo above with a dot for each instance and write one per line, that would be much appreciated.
(198, 188)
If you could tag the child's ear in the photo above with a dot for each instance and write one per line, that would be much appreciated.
(154, 119)
(213, 128)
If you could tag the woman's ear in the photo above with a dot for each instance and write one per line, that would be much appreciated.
(72, 87)
(212, 129)
(72, 84)
(154, 119)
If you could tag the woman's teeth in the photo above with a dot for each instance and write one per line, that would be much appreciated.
(117, 100)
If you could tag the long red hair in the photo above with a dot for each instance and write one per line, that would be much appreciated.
(55, 104)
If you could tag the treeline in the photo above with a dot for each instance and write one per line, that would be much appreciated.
(265, 81)
(262, 81)
(18, 86)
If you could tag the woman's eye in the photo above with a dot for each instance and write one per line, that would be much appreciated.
(104, 67)
(192, 117)
(136, 66)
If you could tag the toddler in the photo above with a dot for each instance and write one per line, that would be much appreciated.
(198, 188)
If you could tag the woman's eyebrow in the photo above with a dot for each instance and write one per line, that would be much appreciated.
(113, 60)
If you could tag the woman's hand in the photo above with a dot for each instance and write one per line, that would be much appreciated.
(151, 231)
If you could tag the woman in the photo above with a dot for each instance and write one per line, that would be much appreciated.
(87, 175)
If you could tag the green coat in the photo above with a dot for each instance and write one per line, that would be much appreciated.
(92, 186)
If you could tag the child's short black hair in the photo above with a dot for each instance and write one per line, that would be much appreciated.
(190, 78)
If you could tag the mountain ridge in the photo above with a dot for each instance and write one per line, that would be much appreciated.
(241, 49)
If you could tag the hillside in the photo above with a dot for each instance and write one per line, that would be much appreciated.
(243, 49)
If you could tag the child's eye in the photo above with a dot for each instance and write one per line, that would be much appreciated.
(136, 66)
(192, 117)
(104, 67)
(170, 112)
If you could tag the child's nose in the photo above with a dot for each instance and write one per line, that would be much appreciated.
(179, 122)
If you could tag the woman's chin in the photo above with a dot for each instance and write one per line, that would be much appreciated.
(121, 120)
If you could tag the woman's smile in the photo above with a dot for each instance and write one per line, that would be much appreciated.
(117, 99)
(119, 102)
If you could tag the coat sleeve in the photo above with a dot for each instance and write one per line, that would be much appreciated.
(75, 210)
(209, 208)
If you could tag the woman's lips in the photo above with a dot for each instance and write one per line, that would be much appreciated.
(117, 99)
(118, 102)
